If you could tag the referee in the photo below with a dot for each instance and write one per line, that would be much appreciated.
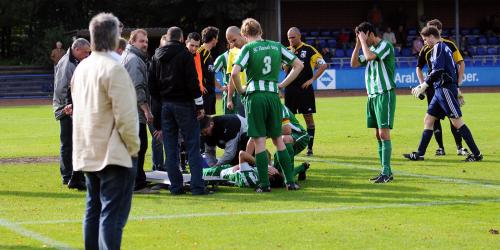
(299, 95)
(424, 58)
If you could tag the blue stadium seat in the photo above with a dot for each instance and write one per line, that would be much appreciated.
(482, 40)
(476, 31)
(472, 40)
(315, 33)
(492, 40)
(326, 33)
(339, 53)
(412, 32)
(310, 41)
(406, 52)
(304, 33)
(472, 50)
(481, 51)
(348, 52)
(465, 32)
(332, 43)
(491, 50)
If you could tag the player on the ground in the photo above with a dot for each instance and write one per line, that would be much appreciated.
(378, 56)
(262, 60)
(299, 95)
(443, 78)
(424, 58)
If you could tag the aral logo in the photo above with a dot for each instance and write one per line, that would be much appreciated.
(327, 80)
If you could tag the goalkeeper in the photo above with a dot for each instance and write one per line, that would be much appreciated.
(424, 58)
(443, 78)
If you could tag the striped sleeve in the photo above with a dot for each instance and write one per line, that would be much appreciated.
(286, 56)
(383, 50)
(243, 57)
(219, 63)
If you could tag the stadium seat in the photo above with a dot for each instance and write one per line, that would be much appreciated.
(482, 40)
(412, 32)
(339, 53)
(477, 62)
(326, 33)
(315, 33)
(310, 41)
(348, 52)
(472, 50)
(481, 51)
(406, 52)
(322, 43)
(491, 51)
(492, 40)
(472, 40)
(304, 33)
(332, 43)
(465, 32)
(476, 31)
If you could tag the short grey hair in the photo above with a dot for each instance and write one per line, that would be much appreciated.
(104, 33)
(80, 43)
(174, 33)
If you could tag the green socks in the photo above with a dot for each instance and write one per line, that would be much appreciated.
(380, 151)
(261, 162)
(286, 166)
(291, 153)
(386, 157)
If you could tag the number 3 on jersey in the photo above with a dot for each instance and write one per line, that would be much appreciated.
(267, 65)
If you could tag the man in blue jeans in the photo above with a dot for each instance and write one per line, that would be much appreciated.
(105, 141)
(174, 81)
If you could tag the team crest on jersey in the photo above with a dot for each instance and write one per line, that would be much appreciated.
(211, 67)
(303, 54)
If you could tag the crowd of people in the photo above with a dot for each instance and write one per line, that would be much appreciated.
(108, 93)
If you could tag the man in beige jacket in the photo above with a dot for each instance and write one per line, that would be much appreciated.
(105, 135)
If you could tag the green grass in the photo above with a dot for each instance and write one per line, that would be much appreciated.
(438, 203)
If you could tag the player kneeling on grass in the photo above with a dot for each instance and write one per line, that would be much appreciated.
(443, 78)
(245, 173)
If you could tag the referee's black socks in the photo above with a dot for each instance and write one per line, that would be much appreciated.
(310, 132)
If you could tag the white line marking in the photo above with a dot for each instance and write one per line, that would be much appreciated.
(434, 177)
(15, 227)
(291, 211)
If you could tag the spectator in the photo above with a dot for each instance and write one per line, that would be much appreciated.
(464, 47)
(417, 45)
(343, 39)
(122, 44)
(174, 83)
(134, 60)
(375, 17)
(63, 110)
(422, 22)
(105, 130)
(57, 53)
(327, 54)
(401, 37)
(389, 36)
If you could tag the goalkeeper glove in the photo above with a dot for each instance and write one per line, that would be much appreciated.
(419, 90)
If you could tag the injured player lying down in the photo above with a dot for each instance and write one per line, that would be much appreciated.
(245, 174)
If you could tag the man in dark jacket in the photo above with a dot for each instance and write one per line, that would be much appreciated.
(134, 60)
(80, 49)
(173, 81)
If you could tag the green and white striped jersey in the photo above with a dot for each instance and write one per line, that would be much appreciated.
(220, 64)
(379, 73)
(262, 60)
(289, 118)
(245, 177)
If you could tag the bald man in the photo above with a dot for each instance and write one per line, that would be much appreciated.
(299, 95)
(236, 41)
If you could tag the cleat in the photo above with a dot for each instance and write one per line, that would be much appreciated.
(309, 152)
(440, 152)
(462, 151)
(76, 184)
(414, 156)
(302, 175)
(383, 179)
(292, 186)
(391, 177)
(472, 157)
(261, 189)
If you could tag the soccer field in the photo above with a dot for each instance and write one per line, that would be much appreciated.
(441, 202)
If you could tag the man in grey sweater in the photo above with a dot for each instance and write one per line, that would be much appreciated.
(63, 109)
(134, 60)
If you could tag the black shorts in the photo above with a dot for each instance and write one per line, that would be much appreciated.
(209, 103)
(300, 100)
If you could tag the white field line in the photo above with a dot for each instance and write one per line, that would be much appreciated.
(403, 173)
(16, 228)
(290, 211)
